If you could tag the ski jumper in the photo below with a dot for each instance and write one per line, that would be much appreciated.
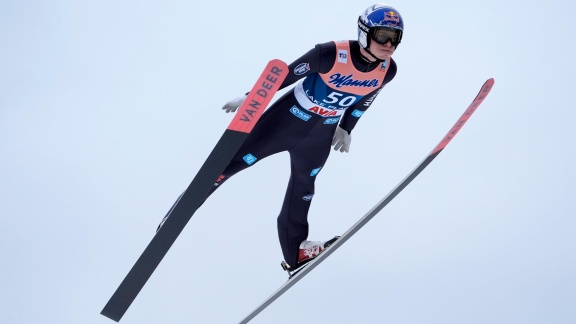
(337, 88)
(302, 122)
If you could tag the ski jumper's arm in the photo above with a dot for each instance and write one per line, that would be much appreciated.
(319, 59)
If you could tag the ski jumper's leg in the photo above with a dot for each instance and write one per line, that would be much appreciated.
(307, 159)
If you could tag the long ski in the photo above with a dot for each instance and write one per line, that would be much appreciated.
(301, 272)
(197, 192)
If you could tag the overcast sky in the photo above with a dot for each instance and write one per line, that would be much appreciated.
(109, 108)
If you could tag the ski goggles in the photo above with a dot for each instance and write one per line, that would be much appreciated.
(383, 35)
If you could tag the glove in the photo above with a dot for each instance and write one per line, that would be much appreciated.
(341, 140)
(234, 104)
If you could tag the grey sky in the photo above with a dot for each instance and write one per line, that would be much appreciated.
(108, 109)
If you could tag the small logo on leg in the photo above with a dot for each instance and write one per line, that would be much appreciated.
(249, 159)
(315, 172)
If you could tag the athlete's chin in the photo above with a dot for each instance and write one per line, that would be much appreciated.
(384, 55)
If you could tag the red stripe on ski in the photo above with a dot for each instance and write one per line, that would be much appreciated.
(475, 104)
(259, 97)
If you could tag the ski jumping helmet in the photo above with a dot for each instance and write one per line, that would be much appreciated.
(380, 23)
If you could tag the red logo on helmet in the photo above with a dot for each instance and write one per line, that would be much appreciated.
(391, 18)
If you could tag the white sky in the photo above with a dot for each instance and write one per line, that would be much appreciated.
(108, 109)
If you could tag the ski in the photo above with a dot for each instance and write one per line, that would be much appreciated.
(197, 192)
(299, 273)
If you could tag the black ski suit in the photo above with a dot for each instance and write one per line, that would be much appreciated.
(303, 121)
(307, 138)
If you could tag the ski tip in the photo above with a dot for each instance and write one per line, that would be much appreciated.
(278, 62)
(259, 97)
(484, 91)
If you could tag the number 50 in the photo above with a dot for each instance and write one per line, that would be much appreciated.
(337, 96)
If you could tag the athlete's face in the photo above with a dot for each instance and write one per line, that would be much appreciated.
(382, 51)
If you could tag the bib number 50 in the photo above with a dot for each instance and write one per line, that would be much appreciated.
(335, 97)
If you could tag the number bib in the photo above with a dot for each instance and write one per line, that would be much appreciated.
(330, 94)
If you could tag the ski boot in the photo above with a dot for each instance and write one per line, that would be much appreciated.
(307, 252)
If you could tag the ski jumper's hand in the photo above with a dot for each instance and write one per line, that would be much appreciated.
(341, 140)
(234, 104)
